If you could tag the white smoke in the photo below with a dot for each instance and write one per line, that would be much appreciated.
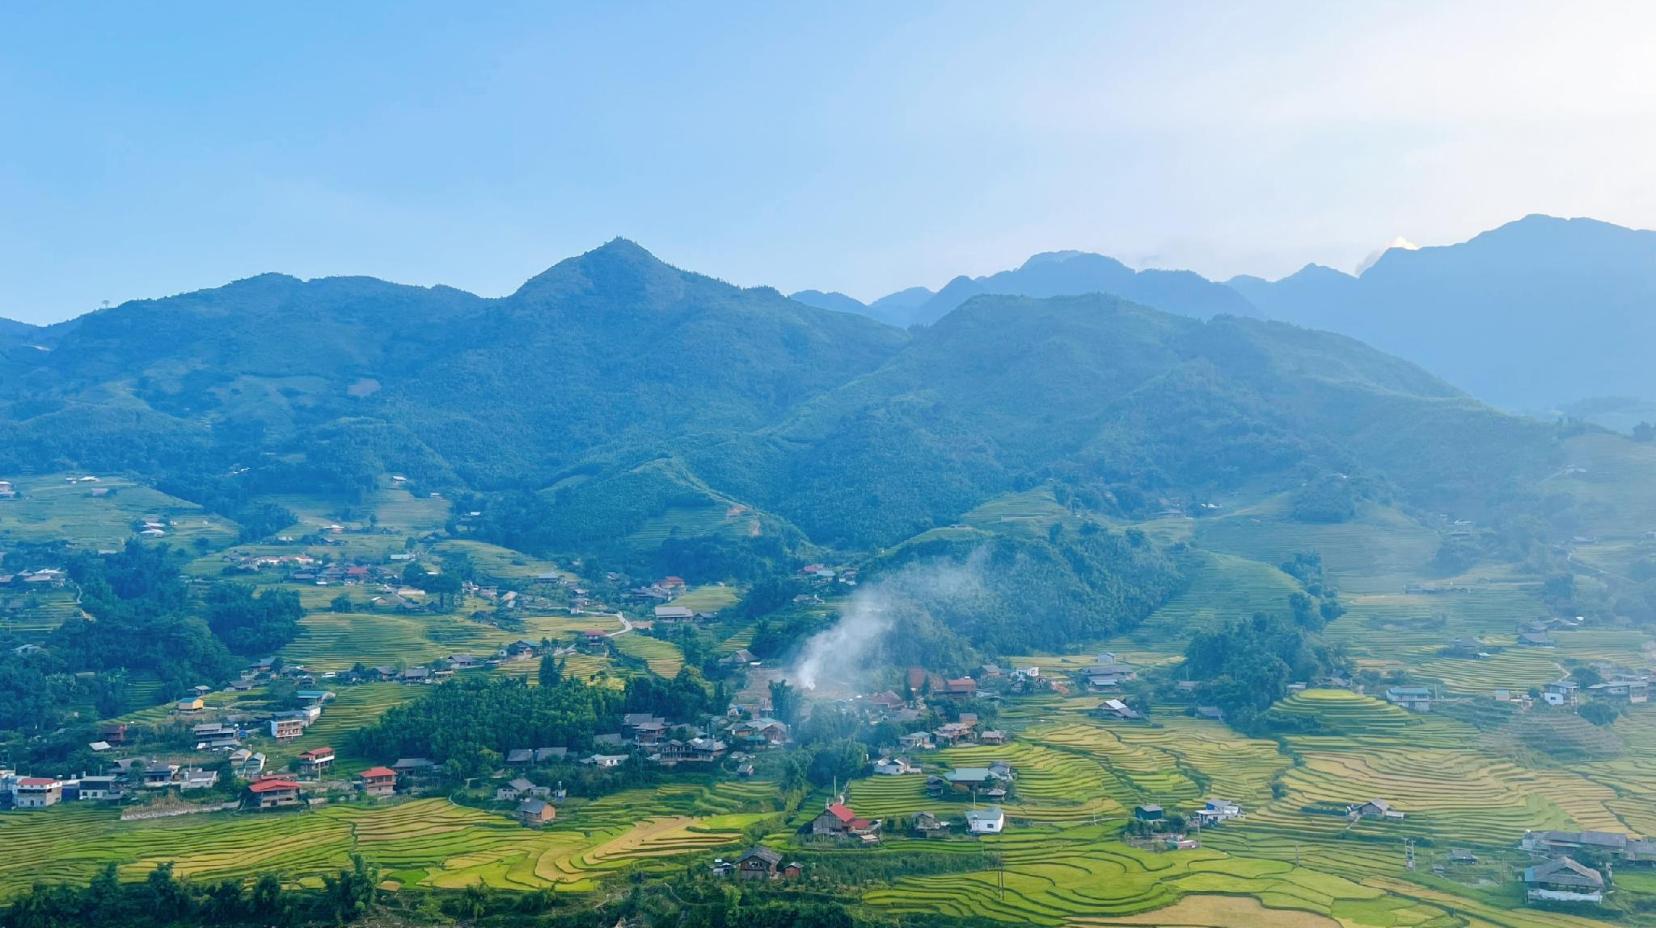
(841, 654)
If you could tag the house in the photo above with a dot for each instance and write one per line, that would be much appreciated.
(1108, 676)
(37, 793)
(1561, 693)
(792, 870)
(604, 761)
(520, 757)
(1412, 698)
(190, 704)
(760, 731)
(1148, 813)
(520, 788)
(414, 766)
(893, 767)
(1215, 811)
(1211, 713)
(927, 825)
(1374, 808)
(377, 781)
(975, 779)
(644, 729)
(1116, 709)
(101, 788)
(917, 741)
(1563, 880)
(314, 696)
(1547, 842)
(247, 764)
(674, 614)
(960, 688)
(886, 700)
(316, 761)
(758, 863)
(192, 778)
(114, 733)
(550, 755)
(840, 822)
(287, 728)
(158, 775)
(1630, 691)
(534, 813)
(594, 641)
(986, 821)
(273, 793)
(992, 736)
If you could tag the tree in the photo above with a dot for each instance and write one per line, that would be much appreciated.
(784, 701)
(550, 673)
(1599, 713)
(340, 603)
(1586, 676)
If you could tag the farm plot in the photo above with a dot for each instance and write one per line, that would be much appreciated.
(1179, 760)
(1052, 786)
(352, 707)
(1222, 587)
(1380, 551)
(710, 598)
(53, 509)
(336, 640)
(1077, 879)
(421, 841)
(662, 657)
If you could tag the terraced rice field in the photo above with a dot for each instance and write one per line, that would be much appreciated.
(710, 598)
(1176, 763)
(1078, 877)
(498, 563)
(336, 640)
(420, 841)
(1381, 551)
(34, 614)
(1429, 767)
(50, 509)
(352, 707)
(662, 657)
(1222, 587)
(1030, 511)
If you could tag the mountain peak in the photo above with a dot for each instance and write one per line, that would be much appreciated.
(619, 265)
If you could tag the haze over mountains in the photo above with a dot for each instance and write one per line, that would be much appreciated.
(1536, 315)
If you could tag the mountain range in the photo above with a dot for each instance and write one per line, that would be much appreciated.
(614, 393)
(1536, 315)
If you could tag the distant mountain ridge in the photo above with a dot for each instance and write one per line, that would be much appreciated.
(1536, 315)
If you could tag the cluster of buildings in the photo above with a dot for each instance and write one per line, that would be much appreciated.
(48, 578)
(132, 777)
(1573, 866)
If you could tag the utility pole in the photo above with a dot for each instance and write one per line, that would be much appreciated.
(1408, 851)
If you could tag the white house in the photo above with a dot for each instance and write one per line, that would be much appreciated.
(986, 821)
(892, 767)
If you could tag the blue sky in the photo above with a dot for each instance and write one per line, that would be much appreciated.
(149, 150)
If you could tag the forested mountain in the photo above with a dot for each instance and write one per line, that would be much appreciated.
(613, 389)
(1129, 403)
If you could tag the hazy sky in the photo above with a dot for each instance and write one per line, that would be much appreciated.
(148, 149)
